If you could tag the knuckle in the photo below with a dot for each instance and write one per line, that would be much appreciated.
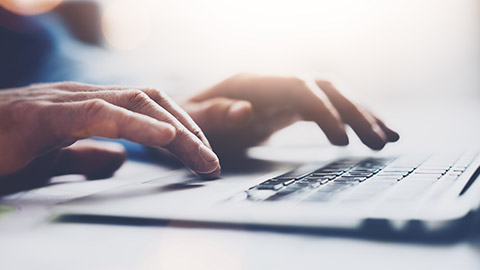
(324, 83)
(296, 89)
(182, 131)
(137, 99)
(158, 95)
(297, 82)
(154, 91)
(136, 96)
(218, 104)
(93, 107)
(197, 131)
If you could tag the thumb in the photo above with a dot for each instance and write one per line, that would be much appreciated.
(222, 113)
(94, 159)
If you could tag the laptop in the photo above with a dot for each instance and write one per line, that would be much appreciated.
(413, 193)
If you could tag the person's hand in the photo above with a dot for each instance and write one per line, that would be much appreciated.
(38, 122)
(246, 109)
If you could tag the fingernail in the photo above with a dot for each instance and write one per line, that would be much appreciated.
(340, 140)
(210, 159)
(344, 140)
(377, 143)
(212, 175)
(394, 136)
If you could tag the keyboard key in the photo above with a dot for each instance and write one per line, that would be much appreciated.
(358, 174)
(330, 170)
(284, 178)
(326, 175)
(410, 177)
(355, 170)
(351, 179)
(298, 172)
(288, 182)
(291, 193)
(426, 171)
(401, 168)
(319, 180)
(271, 184)
(396, 171)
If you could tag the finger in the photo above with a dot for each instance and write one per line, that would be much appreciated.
(96, 117)
(367, 129)
(261, 91)
(392, 135)
(315, 106)
(35, 174)
(222, 114)
(158, 96)
(94, 159)
(91, 158)
(168, 104)
(186, 146)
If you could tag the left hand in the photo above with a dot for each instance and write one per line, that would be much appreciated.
(246, 109)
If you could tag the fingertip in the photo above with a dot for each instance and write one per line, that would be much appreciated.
(208, 163)
(378, 138)
(336, 134)
(376, 142)
(393, 136)
(211, 176)
(377, 146)
(341, 140)
(94, 159)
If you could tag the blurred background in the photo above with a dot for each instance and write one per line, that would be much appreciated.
(416, 63)
(379, 47)
(424, 48)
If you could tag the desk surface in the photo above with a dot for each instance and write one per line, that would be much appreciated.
(30, 240)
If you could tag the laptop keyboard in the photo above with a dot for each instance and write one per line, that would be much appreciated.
(363, 179)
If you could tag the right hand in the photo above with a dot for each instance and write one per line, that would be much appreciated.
(245, 109)
(42, 119)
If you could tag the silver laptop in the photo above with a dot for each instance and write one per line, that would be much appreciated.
(408, 194)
